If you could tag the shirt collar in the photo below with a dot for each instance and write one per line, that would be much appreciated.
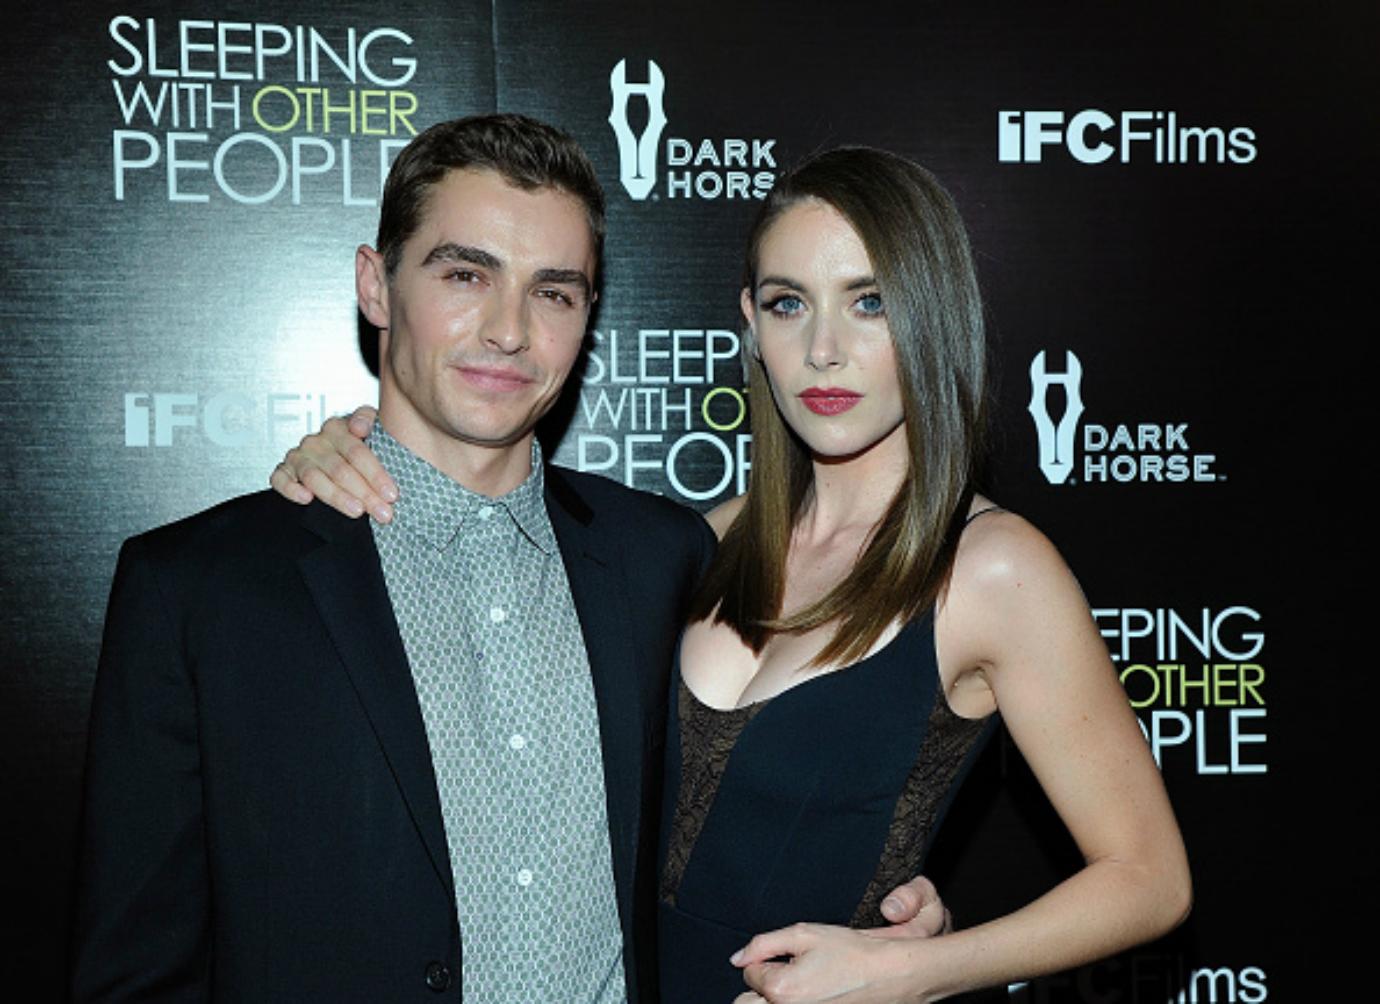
(437, 508)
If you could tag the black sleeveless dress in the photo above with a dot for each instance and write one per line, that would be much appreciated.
(811, 805)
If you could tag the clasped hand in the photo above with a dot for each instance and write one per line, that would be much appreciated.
(807, 963)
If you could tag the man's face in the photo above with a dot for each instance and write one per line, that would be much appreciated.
(484, 316)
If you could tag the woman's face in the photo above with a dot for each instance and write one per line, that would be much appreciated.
(822, 334)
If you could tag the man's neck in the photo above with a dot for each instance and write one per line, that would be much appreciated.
(488, 470)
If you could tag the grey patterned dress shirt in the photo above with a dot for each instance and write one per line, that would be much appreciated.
(487, 620)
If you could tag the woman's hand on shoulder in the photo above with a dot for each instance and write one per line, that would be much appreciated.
(336, 467)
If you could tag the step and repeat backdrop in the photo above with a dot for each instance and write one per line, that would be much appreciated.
(1170, 208)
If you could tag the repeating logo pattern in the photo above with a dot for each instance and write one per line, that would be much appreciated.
(637, 154)
(717, 167)
(1118, 453)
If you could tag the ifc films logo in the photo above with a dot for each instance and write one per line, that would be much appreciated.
(1092, 136)
(712, 168)
(1143, 452)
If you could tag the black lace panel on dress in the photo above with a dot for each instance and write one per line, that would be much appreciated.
(708, 736)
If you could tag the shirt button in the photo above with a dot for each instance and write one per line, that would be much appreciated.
(517, 742)
(524, 877)
(498, 615)
(437, 976)
(486, 512)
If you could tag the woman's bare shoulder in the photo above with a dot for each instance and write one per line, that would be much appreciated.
(1012, 601)
(1001, 553)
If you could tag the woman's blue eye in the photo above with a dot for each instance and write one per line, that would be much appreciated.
(784, 306)
(871, 304)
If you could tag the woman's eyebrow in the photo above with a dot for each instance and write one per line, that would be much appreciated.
(861, 282)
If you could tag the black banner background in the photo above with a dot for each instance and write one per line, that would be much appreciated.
(1220, 299)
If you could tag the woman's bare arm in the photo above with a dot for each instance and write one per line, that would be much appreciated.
(1015, 616)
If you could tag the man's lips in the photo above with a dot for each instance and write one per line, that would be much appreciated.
(829, 400)
(495, 378)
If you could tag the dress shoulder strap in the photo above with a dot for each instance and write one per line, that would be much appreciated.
(980, 512)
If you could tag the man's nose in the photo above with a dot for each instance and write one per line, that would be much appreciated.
(505, 328)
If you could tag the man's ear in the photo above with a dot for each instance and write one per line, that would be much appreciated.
(749, 315)
(371, 286)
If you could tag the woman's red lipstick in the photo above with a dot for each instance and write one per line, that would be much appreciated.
(829, 400)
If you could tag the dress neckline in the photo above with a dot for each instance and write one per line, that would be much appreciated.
(753, 706)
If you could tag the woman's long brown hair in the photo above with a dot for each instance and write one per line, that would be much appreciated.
(920, 255)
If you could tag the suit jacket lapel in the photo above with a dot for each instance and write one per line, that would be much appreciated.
(599, 589)
(346, 581)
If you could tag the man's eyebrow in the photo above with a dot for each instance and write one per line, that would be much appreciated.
(452, 252)
(564, 277)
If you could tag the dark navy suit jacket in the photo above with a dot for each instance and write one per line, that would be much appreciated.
(261, 815)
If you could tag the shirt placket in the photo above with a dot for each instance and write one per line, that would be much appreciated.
(507, 615)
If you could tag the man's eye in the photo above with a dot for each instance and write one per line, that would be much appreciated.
(463, 275)
(557, 296)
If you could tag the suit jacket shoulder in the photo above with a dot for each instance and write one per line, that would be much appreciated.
(232, 548)
(637, 520)
(254, 525)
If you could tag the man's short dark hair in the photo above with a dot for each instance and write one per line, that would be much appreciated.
(525, 152)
